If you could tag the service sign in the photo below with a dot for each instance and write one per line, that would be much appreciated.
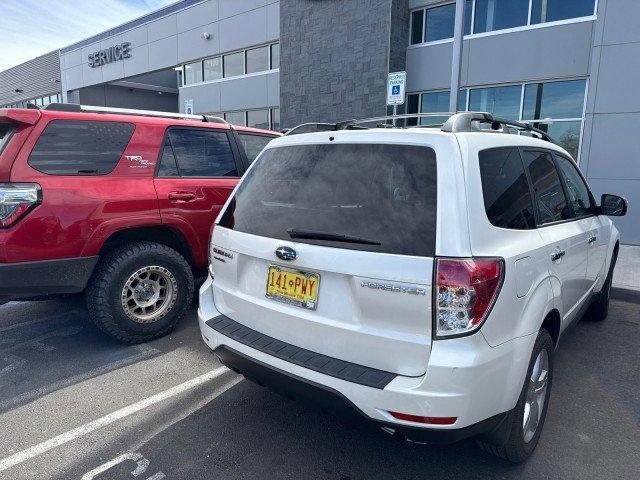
(396, 88)
(109, 55)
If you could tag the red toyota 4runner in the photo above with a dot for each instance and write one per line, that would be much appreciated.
(116, 203)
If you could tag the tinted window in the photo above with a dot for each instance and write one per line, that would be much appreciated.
(553, 10)
(413, 106)
(167, 167)
(258, 59)
(500, 14)
(468, 13)
(275, 55)
(202, 153)
(213, 69)
(576, 188)
(507, 198)
(440, 22)
(253, 144)
(500, 101)
(552, 204)
(234, 64)
(69, 147)
(382, 193)
(416, 26)
(554, 100)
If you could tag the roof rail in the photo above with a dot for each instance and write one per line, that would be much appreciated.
(455, 123)
(356, 123)
(471, 121)
(74, 107)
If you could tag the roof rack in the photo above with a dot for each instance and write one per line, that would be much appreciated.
(74, 107)
(455, 123)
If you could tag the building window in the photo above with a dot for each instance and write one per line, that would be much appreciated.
(503, 102)
(275, 119)
(258, 119)
(275, 56)
(212, 69)
(554, 107)
(257, 59)
(234, 64)
(553, 10)
(236, 118)
(193, 73)
(417, 26)
(433, 24)
(491, 15)
(440, 22)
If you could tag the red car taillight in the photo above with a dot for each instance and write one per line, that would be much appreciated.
(466, 289)
(16, 200)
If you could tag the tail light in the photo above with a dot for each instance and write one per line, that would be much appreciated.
(466, 289)
(16, 200)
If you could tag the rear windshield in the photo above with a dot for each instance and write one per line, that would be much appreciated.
(384, 195)
(6, 129)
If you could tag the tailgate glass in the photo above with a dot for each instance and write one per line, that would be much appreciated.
(382, 198)
(6, 129)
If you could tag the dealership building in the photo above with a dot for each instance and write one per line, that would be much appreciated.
(567, 66)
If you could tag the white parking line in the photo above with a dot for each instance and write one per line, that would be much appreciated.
(54, 442)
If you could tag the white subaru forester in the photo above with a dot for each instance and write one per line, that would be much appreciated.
(422, 277)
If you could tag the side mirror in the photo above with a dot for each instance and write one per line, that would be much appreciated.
(613, 205)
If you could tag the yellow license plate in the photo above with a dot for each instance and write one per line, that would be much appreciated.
(293, 287)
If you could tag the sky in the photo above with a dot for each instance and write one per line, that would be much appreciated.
(29, 28)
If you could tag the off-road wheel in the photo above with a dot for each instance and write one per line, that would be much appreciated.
(139, 291)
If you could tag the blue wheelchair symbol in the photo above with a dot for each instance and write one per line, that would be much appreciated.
(395, 89)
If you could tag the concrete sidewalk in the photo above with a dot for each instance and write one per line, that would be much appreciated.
(626, 277)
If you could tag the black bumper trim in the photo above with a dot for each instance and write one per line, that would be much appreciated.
(46, 277)
(297, 388)
(333, 367)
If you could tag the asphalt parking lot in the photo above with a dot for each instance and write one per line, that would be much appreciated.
(77, 405)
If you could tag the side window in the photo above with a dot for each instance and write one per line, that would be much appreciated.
(577, 190)
(507, 198)
(552, 204)
(253, 144)
(202, 153)
(72, 147)
(168, 166)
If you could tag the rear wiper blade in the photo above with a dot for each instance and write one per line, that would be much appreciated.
(334, 237)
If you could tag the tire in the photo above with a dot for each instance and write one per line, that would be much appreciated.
(600, 307)
(520, 442)
(159, 289)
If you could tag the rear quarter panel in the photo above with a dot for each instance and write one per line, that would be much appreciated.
(78, 213)
(527, 294)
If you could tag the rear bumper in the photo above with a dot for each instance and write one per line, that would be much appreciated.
(465, 378)
(298, 388)
(47, 277)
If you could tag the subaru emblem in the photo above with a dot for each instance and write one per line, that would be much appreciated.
(286, 253)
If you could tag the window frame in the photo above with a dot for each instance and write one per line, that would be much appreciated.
(423, 41)
(237, 157)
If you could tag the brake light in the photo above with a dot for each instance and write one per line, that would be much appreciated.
(420, 419)
(466, 289)
(16, 200)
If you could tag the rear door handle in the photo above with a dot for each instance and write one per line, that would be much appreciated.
(558, 255)
(182, 196)
(592, 239)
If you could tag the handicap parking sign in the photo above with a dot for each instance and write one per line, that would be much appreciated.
(395, 88)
